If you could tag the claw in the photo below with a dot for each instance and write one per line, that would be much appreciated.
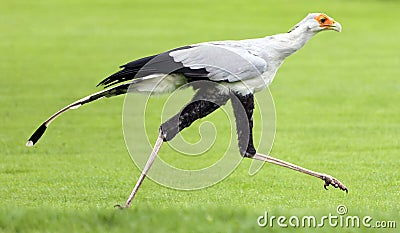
(119, 206)
(329, 180)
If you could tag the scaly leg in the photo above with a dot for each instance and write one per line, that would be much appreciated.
(150, 161)
(329, 180)
(243, 106)
(200, 106)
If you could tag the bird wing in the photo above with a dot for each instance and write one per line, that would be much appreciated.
(161, 63)
(229, 62)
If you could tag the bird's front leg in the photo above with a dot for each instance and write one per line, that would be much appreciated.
(243, 107)
(329, 180)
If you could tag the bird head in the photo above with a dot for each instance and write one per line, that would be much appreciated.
(316, 22)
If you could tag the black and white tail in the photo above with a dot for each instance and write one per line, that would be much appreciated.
(156, 74)
(114, 91)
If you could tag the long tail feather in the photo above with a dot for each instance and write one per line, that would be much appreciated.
(114, 91)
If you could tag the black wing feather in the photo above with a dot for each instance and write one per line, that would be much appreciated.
(155, 64)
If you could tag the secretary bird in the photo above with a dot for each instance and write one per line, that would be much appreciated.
(242, 67)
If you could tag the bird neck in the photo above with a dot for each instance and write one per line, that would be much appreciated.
(288, 43)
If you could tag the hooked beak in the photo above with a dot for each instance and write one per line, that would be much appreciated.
(336, 26)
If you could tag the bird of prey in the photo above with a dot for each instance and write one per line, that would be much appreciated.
(241, 67)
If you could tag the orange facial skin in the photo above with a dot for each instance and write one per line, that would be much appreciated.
(324, 21)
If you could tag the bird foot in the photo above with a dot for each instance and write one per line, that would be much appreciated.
(329, 180)
(121, 207)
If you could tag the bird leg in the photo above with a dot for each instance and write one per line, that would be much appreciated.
(200, 106)
(203, 103)
(244, 128)
(243, 107)
(150, 161)
(329, 180)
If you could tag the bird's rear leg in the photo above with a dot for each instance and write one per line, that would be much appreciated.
(196, 109)
(143, 175)
(170, 128)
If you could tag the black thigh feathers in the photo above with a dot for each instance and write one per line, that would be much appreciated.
(206, 101)
(243, 107)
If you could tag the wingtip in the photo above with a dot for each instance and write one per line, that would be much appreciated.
(29, 143)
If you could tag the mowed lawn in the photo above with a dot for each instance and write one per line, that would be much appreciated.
(337, 109)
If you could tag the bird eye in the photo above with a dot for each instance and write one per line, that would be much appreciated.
(322, 20)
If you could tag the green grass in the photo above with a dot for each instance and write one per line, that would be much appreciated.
(337, 103)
